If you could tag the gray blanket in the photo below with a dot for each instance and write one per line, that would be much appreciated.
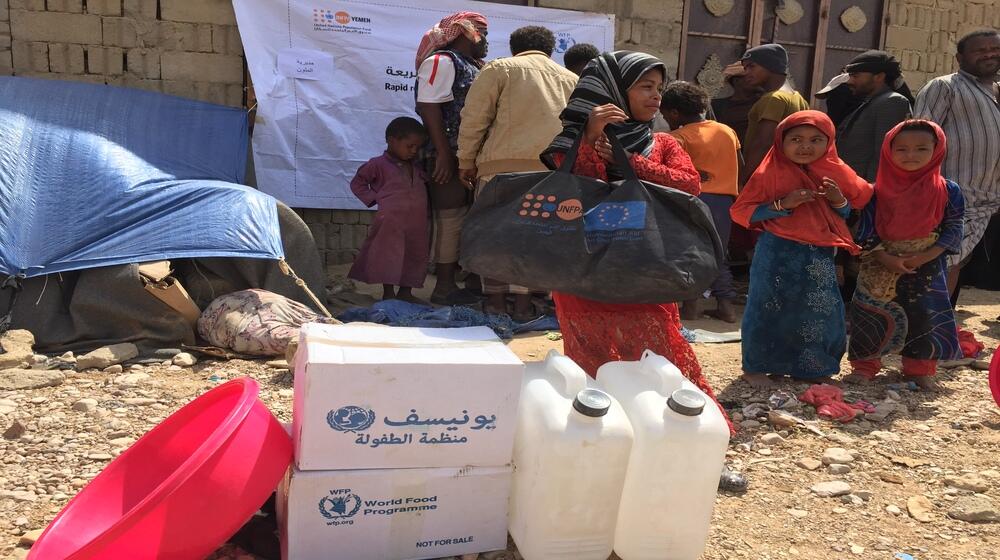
(85, 309)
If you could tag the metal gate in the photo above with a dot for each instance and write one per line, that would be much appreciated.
(820, 36)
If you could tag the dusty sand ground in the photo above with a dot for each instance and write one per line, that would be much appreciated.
(953, 432)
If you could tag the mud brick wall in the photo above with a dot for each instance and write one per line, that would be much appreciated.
(192, 48)
(189, 48)
(922, 33)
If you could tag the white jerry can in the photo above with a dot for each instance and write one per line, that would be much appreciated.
(571, 452)
(680, 446)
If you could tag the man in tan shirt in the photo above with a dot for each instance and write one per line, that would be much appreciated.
(511, 114)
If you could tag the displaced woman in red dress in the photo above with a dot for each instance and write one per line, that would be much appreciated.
(621, 91)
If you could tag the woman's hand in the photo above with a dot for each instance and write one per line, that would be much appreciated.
(600, 117)
(831, 191)
(603, 148)
(895, 263)
(796, 198)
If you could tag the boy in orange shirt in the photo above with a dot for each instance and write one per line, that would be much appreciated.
(715, 150)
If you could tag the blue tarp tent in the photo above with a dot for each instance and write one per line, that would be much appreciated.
(94, 175)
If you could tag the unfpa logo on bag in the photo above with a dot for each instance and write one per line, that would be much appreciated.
(340, 506)
(350, 419)
(545, 205)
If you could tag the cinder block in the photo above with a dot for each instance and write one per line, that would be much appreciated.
(143, 63)
(578, 5)
(141, 9)
(136, 83)
(35, 5)
(90, 79)
(74, 6)
(367, 217)
(109, 61)
(4, 11)
(669, 11)
(105, 7)
(30, 56)
(316, 216)
(226, 39)
(66, 59)
(345, 217)
(906, 38)
(5, 35)
(201, 11)
(6, 62)
(234, 95)
(173, 36)
(202, 67)
(56, 27)
(120, 32)
(202, 91)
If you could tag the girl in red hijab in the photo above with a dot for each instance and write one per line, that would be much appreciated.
(901, 304)
(798, 197)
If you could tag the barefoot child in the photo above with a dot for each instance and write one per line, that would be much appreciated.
(397, 248)
(715, 151)
(901, 304)
(799, 197)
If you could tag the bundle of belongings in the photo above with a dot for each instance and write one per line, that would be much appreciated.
(124, 215)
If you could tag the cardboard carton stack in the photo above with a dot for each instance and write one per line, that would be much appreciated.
(403, 441)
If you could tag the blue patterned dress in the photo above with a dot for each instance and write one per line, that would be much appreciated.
(908, 314)
(794, 320)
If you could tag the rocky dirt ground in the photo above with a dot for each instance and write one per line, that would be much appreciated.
(867, 489)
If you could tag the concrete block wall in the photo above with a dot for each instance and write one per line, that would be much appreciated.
(189, 48)
(922, 33)
(192, 48)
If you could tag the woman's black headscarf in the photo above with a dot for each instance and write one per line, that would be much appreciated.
(607, 79)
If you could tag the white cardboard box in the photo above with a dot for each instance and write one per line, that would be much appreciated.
(370, 397)
(392, 514)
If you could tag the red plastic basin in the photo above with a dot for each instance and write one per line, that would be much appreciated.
(995, 376)
(182, 489)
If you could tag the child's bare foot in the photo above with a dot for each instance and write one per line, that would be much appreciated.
(855, 378)
(388, 292)
(758, 380)
(925, 382)
(406, 294)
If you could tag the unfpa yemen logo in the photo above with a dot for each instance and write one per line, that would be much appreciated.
(343, 18)
(544, 205)
(335, 507)
(350, 419)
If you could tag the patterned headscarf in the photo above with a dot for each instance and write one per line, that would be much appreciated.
(607, 79)
(447, 30)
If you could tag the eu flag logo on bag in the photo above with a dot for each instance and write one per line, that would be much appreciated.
(613, 216)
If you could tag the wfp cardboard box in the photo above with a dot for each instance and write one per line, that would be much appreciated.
(373, 397)
(392, 514)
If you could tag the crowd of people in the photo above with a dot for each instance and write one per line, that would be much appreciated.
(859, 218)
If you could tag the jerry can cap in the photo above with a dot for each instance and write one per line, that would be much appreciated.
(687, 402)
(592, 402)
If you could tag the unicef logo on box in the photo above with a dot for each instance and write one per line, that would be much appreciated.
(339, 507)
(350, 418)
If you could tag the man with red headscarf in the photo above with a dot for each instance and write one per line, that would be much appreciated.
(448, 60)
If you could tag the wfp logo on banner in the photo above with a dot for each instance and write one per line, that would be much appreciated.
(350, 418)
(339, 506)
(564, 41)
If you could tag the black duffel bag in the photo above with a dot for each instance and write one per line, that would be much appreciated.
(629, 241)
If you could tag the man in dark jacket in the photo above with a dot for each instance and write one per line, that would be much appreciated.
(872, 75)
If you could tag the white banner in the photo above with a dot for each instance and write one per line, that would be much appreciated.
(330, 75)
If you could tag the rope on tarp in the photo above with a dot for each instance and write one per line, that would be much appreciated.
(286, 269)
(13, 283)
